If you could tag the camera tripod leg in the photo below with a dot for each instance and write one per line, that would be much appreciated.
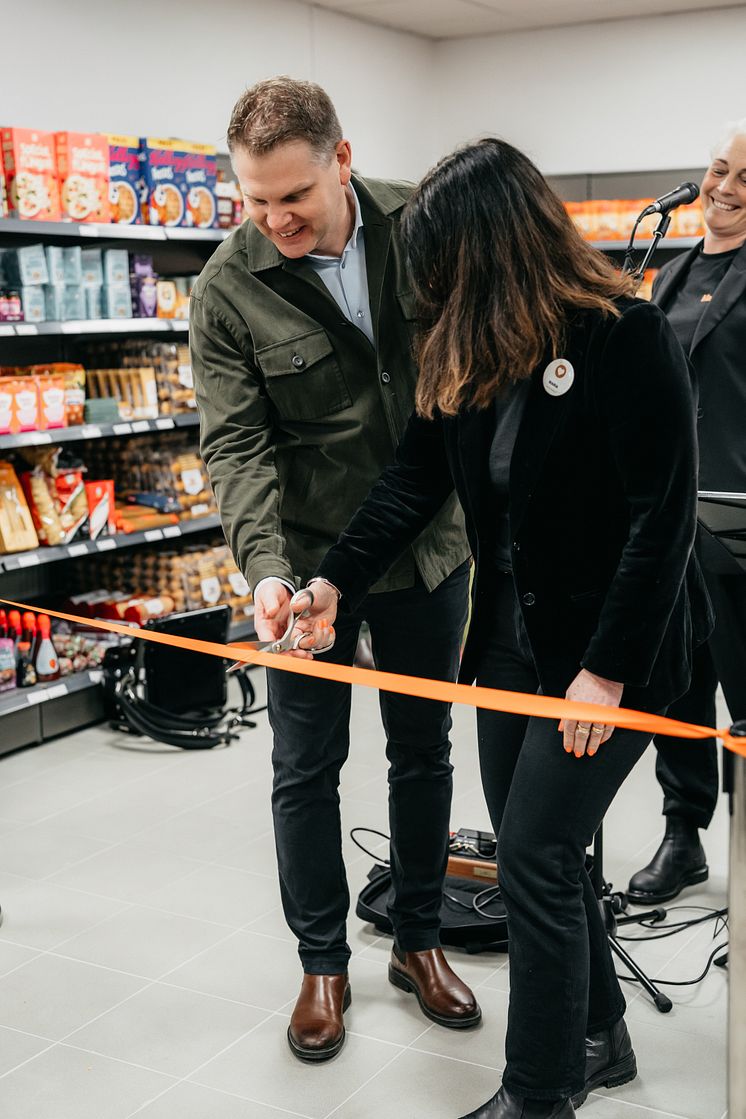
(662, 1002)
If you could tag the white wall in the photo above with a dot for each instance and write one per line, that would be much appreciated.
(175, 68)
(617, 96)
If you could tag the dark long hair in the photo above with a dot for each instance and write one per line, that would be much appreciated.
(498, 269)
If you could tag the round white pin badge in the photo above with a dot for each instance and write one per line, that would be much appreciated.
(558, 377)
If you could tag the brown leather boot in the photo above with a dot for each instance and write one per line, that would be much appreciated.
(316, 1031)
(442, 996)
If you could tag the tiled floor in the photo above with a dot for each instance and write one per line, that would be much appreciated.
(145, 969)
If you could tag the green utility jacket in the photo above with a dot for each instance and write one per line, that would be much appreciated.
(299, 413)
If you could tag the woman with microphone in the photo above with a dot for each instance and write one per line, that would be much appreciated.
(560, 409)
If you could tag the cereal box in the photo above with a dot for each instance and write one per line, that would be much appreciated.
(125, 179)
(83, 168)
(30, 166)
(180, 181)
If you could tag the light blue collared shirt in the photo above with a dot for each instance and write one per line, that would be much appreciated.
(346, 278)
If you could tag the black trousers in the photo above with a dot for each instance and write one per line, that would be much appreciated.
(412, 632)
(545, 807)
(688, 770)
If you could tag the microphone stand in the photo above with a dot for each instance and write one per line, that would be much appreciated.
(658, 234)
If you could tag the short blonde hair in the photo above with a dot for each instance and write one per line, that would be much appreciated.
(280, 110)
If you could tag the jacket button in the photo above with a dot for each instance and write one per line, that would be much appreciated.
(516, 546)
(529, 598)
(298, 361)
(385, 377)
(700, 413)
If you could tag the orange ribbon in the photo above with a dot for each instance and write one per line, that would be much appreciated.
(490, 699)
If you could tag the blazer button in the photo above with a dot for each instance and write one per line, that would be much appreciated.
(298, 361)
(529, 598)
(700, 413)
(385, 377)
(516, 546)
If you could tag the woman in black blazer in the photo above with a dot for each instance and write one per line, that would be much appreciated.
(561, 410)
(703, 293)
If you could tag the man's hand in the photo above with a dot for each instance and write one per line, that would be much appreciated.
(585, 738)
(272, 613)
(320, 614)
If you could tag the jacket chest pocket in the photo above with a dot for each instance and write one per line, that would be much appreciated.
(303, 377)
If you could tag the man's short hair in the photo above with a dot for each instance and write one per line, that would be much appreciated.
(280, 110)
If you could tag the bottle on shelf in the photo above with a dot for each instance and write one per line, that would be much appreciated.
(15, 632)
(3, 625)
(25, 668)
(46, 661)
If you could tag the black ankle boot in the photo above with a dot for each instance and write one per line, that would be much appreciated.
(609, 1060)
(679, 861)
(506, 1105)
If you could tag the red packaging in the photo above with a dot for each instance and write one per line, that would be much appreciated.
(51, 390)
(30, 166)
(83, 169)
(100, 497)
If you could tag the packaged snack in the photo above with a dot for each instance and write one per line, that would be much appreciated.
(92, 266)
(32, 301)
(144, 296)
(166, 299)
(180, 180)
(7, 662)
(116, 266)
(54, 298)
(93, 301)
(17, 533)
(19, 404)
(30, 168)
(73, 377)
(72, 259)
(141, 264)
(55, 264)
(3, 195)
(117, 301)
(27, 266)
(10, 306)
(51, 389)
(56, 496)
(100, 498)
(83, 168)
(125, 179)
(73, 302)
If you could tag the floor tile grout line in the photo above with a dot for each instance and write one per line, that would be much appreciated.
(365, 1083)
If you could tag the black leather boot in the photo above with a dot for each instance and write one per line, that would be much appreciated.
(505, 1105)
(679, 861)
(609, 1060)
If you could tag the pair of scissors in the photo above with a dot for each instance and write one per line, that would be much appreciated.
(290, 640)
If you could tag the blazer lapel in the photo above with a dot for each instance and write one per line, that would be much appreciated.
(731, 288)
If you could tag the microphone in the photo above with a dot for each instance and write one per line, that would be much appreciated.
(683, 194)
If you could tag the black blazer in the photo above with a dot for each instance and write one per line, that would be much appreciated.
(717, 355)
(602, 497)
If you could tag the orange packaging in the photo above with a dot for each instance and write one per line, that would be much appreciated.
(30, 166)
(688, 221)
(19, 405)
(83, 168)
(51, 389)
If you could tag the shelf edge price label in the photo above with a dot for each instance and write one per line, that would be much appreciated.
(105, 545)
(6, 330)
(165, 424)
(26, 328)
(95, 675)
(171, 531)
(122, 429)
(91, 431)
(153, 534)
(141, 425)
(30, 560)
(57, 691)
(77, 549)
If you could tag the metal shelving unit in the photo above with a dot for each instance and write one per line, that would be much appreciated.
(97, 431)
(107, 232)
(80, 327)
(675, 243)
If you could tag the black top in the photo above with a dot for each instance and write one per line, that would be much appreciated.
(700, 284)
(508, 410)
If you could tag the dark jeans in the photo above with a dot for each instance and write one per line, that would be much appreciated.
(412, 632)
(545, 807)
(688, 770)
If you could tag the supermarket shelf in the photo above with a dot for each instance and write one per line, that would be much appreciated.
(96, 431)
(108, 232)
(644, 243)
(42, 693)
(24, 560)
(94, 326)
(23, 698)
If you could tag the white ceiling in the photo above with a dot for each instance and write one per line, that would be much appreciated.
(451, 19)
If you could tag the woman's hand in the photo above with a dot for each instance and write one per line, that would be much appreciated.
(585, 738)
(272, 608)
(319, 615)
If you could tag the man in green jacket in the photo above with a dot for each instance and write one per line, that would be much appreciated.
(301, 333)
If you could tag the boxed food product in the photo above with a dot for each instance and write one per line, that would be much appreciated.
(144, 296)
(117, 301)
(166, 299)
(17, 533)
(73, 303)
(19, 405)
(125, 179)
(54, 298)
(72, 259)
(30, 166)
(3, 195)
(180, 180)
(116, 266)
(93, 301)
(26, 266)
(55, 264)
(51, 389)
(83, 169)
(32, 301)
(92, 266)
